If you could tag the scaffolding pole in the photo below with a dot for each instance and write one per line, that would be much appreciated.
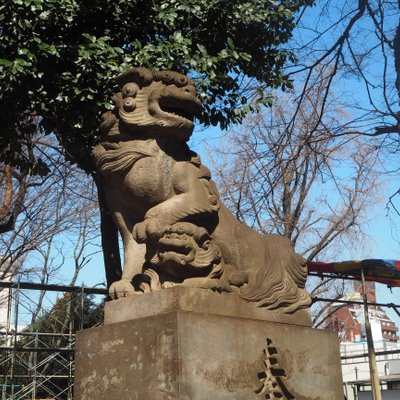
(376, 390)
(16, 310)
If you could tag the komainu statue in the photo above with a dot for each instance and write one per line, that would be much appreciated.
(175, 230)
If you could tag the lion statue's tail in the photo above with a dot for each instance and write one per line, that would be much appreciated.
(280, 284)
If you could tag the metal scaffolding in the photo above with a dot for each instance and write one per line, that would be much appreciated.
(37, 337)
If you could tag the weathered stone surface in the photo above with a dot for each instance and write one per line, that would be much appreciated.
(194, 355)
(181, 298)
(175, 229)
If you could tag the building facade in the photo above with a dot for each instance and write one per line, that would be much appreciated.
(349, 322)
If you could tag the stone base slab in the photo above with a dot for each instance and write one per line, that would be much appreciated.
(183, 355)
(181, 298)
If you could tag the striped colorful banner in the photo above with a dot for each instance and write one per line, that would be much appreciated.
(375, 270)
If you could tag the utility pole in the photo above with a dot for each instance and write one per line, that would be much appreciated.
(376, 390)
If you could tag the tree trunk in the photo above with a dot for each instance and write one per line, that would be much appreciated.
(109, 237)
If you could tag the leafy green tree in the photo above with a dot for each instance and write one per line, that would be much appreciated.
(58, 59)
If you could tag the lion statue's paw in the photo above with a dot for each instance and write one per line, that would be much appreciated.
(122, 288)
(148, 229)
(216, 285)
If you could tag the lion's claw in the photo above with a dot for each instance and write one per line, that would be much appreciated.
(148, 229)
(122, 288)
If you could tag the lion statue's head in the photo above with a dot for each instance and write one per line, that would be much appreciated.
(153, 102)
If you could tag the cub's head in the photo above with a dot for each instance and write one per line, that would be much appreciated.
(163, 102)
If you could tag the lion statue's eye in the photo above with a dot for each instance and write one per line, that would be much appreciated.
(130, 90)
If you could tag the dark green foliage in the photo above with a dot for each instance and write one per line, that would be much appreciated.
(58, 59)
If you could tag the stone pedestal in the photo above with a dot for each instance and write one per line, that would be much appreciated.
(192, 344)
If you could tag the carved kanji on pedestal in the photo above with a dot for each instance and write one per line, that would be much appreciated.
(273, 376)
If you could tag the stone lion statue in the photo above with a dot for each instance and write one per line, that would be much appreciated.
(175, 230)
